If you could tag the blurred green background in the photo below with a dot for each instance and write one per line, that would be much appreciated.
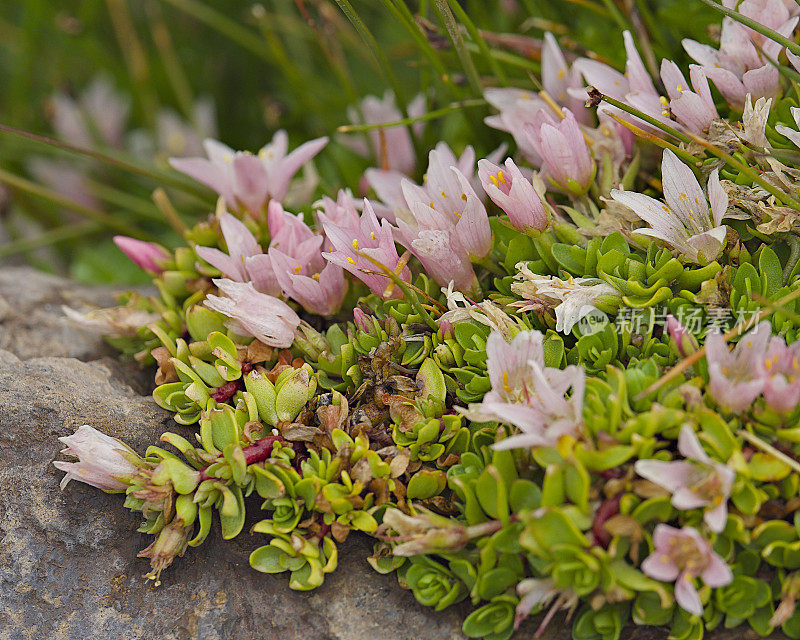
(150, 78)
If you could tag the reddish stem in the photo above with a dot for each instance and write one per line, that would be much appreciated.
(608, 509)
(226, 391)
(257, 452)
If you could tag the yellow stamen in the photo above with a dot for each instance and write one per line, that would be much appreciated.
(372, 235)
(315, 276)
(298, 269)
(355, 243)
(351, 261)
(464, 197)
(494, 180)
(444, 195)
(500, 176)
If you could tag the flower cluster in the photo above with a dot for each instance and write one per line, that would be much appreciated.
(421, 363)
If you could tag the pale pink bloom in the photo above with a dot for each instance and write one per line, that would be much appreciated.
(443, 167)
(684, 221)
(371, 238)
(241, 244)
(782, 382)
(146, 255)
(738, 67)
(737, 377)
(514, 194)
(291, 234)
(695, 110)
(517, 108)
(680, 556)
(343, 212)
(294, 238)
(562, 83)
(697, 482)
(252, 313)
(792, 134)
(396, 141)
(180, 138)
(449, 202)
(684, 341)
(561, 144)
(634, 87)
(572, 299)
(320, 293)
(544, 403)
(246, 180)
(99, 113)
(103, 462)
(68, 178)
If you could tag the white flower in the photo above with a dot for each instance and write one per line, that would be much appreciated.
(102, 460)
(754, 120)
(684, 221)
(572, 299)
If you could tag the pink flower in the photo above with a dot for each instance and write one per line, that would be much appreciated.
(782, 382)
(517, 108)
(103, 462)
(246, 180)
(684, 341)
(693, 109)
(514, 194)
(562, 146)
(634, 87)
(241, 245)
(742, 63)
(395, 141)
(371, 238)
(342, 212)
(680, 556)
(562, 83)
(146, 255)
(446, 225)
(544, 403)
(99, 115)
(684, 221)
(441, 178)
(737, 377)
(253, 313)
(321, 293)
(695, 482)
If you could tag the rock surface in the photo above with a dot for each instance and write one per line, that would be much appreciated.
(68, 566)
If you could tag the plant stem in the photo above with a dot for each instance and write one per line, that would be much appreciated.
(92, 214)
(52, 236)
(457, 39)
(430, 115)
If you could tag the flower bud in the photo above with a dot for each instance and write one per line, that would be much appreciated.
(103, 462)
(146, 255)
(425, 532)
(684, 341)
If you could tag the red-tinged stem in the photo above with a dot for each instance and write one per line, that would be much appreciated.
(257, 452)
(605, 511)
(226, 391)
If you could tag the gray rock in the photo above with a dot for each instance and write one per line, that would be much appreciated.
(68, 566)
